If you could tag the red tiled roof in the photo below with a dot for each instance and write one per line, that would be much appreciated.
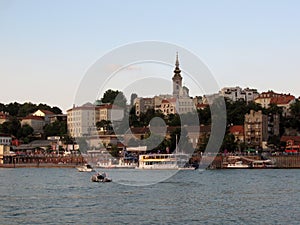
(296, 139)
(276, 98)
(236, 129)
(282, 99)
(168, 100)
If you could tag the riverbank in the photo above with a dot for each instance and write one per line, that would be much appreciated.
(36, 165)
(279, 162)
(211, 162)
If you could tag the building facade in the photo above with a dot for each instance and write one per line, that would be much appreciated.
(237, 93)
(256, 129)
(143, 104)
(36, 122)
(5, 139)
(284, 101)
(46, 114)
(109, 112)
(81, 121)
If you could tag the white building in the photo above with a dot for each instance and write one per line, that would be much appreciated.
(237, 93)
(81, 121)
(185, 103)
(5, 139)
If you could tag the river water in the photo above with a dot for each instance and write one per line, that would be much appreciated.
(65, 196)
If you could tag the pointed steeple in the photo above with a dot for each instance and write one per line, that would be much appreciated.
(177, 71)
(177, 61)
(177, 79)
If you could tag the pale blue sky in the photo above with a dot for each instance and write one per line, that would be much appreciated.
(47, 46)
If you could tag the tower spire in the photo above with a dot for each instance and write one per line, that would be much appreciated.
(177, 70)
(177, 79)
(177, 61)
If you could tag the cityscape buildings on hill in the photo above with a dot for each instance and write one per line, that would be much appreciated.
(254, 130)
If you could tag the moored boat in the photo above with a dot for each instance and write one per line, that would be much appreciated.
(165, 162)
(237, 165)
(85, 168)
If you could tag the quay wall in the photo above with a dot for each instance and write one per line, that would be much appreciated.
(286, 161)
(281, 161)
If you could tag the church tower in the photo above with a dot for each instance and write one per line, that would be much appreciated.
(177, 79)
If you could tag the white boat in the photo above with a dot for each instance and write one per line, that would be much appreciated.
(237, 165)
(85, 168)
(165, 162)
(122, 164)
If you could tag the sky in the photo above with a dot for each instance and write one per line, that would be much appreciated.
(47, 47)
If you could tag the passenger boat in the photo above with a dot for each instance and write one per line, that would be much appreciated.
(176, 161)
(85, 168)
(120, 165)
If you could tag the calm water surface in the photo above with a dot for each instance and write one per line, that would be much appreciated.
(65, 196)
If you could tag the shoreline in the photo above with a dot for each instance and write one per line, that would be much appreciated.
(40, 165)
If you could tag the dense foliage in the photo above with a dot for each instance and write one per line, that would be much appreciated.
(114, 97)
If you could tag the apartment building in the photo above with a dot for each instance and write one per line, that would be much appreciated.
(256, 129)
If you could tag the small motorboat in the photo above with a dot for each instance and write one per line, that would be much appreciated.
(85, 168)
(100, 177)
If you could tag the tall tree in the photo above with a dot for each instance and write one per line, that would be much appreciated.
(114, 97)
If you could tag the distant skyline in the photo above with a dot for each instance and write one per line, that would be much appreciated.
(47, 46)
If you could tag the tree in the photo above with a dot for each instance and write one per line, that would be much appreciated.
(105, 124)
(229, 143)
(295, 109)
(57, 128)
(25, 131)
(26, 109)
(114, 97)
(13, 108)
(11, 127)
(173, 120)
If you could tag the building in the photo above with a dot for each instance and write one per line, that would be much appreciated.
(109, 112)
(273, 125)
(256, 129)
(57, 117)
(46, 114)
(4, 152)
(179, 102)
(36, 122)
(5, 139)
(3, 117)
(284, 101)
(81, 121)
(238, 132)
(168, 106)
(185, 103)
(237, 93)
(197, 135)
(143, 104)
